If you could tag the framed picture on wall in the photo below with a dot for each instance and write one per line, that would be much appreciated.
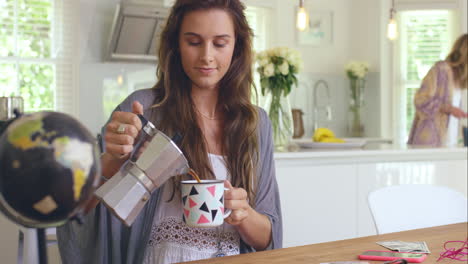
(320, 30)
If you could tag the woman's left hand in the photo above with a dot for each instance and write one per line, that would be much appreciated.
(253, 227)
(236, 200)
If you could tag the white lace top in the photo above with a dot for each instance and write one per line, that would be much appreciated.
(172, 241)
(453, 126)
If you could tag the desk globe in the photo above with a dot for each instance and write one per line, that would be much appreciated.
(49, 169)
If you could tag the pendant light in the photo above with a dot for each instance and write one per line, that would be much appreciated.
(392, 30)
(302, 22)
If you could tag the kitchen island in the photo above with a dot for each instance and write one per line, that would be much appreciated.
(324, 192)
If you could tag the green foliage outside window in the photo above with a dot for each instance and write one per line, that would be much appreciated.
(36, 86)
(26, 65)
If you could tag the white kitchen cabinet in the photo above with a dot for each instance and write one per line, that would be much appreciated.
(313, 199)
(324, 193)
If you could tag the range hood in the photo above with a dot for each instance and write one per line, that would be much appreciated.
(135, 32)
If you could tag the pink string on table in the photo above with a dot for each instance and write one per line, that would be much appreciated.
(460, 254)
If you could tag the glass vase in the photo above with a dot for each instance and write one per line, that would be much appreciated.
(279, 111)
(355, 111)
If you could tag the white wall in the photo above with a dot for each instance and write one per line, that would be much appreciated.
(464, 15)
(326, 59)
(355, 33)
(96, 21)
(356, 36)
(358, 28)
(320, 62)
(364, 28)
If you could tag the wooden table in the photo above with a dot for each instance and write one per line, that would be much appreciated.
(348, 250)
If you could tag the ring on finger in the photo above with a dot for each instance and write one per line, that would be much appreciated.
(121, 129)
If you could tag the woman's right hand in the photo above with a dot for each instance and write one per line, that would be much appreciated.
(122, 131)
(458, 113)
(119, 144)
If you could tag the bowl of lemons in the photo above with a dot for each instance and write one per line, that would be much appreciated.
(324, 138)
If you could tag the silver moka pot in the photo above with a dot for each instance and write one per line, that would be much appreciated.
(153, 161)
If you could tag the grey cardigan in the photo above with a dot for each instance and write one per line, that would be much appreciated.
(102, 238)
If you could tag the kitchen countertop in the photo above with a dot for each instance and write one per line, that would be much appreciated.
(375, 152)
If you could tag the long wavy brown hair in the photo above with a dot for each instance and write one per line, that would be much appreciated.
(176, 108)
(457, 59)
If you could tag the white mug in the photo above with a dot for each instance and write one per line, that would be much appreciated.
(203, 203)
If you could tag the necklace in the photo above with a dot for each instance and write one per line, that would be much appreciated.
(205, 116)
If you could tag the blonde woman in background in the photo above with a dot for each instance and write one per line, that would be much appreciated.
(438, 101)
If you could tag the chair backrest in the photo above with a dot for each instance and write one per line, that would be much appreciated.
(412, 206)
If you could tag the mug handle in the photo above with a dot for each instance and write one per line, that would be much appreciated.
(227, 212)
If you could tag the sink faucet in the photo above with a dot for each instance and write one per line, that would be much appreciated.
(316, 107)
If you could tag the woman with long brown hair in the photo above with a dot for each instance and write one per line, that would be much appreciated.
(438, 101)
(203, 92)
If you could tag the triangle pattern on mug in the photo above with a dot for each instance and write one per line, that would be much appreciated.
(184, 199)
(186, 212)
(221, 200)
(212, 189)
(221, 209)
(204, 208)
(213, 214)
(193, 191)
(192, 203)
(203, 220)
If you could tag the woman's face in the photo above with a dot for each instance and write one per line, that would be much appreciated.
(206, 44)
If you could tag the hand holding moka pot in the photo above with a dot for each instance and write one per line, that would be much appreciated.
(153, 161)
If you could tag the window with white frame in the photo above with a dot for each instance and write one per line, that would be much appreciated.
(425, 38)
(258, 21)
(36, 47)
(258, 18)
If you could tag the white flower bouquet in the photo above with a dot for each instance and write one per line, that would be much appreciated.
(357, 69)
(278, 68)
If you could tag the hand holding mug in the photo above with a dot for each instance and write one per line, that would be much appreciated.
(236, 200)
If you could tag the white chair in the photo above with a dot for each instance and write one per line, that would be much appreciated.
(412, 206)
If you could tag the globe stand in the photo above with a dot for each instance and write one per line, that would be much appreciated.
(41, 238)
(41, 243)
